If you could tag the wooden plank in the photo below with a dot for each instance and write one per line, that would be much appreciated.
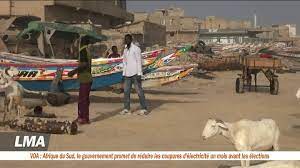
(262, 62)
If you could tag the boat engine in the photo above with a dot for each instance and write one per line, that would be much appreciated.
(56, 95)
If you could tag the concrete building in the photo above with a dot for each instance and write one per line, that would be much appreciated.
(279, 32)
(179, 28)
(292, 30)
(183, 30)
(105, 13)
(147, 34)
(232, 36)
(140, 16)
(213, 22)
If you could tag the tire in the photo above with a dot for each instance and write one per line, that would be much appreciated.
(239, 86)
(274, 87)
(58, 98)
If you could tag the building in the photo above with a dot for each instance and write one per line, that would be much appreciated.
(145, 33)
(105, 13)
(179, 28)
(140, 16)
(232, 36)
(292, 30)
(284, 31)
(213, 22)
(184, 31)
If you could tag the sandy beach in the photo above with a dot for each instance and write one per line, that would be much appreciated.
(178, 113)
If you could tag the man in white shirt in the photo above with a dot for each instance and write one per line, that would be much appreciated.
(132, 73)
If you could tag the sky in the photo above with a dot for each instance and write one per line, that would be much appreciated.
(268, 12)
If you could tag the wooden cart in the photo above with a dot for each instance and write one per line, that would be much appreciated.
(252, 65)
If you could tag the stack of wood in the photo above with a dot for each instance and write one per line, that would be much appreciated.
(42, 126)
(218, 63)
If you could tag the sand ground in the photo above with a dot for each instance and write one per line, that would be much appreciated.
(179, 112)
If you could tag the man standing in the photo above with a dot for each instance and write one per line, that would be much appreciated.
(84, 74)
(132, 73)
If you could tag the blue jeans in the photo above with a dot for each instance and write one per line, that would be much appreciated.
(137, 81)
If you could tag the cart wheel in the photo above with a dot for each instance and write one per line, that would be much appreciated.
(239, 86)
(274, 87)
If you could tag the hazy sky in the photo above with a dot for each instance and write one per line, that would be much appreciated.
(268, 12)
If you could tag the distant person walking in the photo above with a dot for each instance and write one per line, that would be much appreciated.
(84, 74)
(132, 73)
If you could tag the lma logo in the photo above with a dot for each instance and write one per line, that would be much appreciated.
(29, 141)
(24, 141)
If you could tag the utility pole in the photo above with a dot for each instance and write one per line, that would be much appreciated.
(255, 20)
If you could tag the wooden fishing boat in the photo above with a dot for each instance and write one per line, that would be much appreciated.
(39, 75)
(166, 75)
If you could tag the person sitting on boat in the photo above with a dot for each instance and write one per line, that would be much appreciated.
(84, 74)
(132, 73)
(114, 53)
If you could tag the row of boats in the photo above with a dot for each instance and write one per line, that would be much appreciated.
(38, 73)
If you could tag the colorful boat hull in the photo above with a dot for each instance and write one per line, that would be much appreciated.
(72, 84)
(162, 77)
(39, 76)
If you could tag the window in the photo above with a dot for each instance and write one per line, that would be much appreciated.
(171, 22)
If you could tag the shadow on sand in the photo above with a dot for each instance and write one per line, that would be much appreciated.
(259, 89)
(169, 93)
(152, 104)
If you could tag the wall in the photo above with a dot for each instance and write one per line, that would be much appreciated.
(141, 16)
(146, 33)
(157, 17)
(154, 34)
(213, 22)
(179, 28)
(168, 17)
(189, 23)
(113, 8)
(292, 30)
(182, 37)
(4, 8)
(32, 8)
(97, 10)
(68, 14)
(172, 11)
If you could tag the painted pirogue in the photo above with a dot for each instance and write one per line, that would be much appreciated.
(166, 75)
(106, 72)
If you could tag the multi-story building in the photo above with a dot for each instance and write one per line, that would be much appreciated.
(179, 28)
(105, 13)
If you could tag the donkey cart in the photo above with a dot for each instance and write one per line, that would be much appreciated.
(253, 65)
